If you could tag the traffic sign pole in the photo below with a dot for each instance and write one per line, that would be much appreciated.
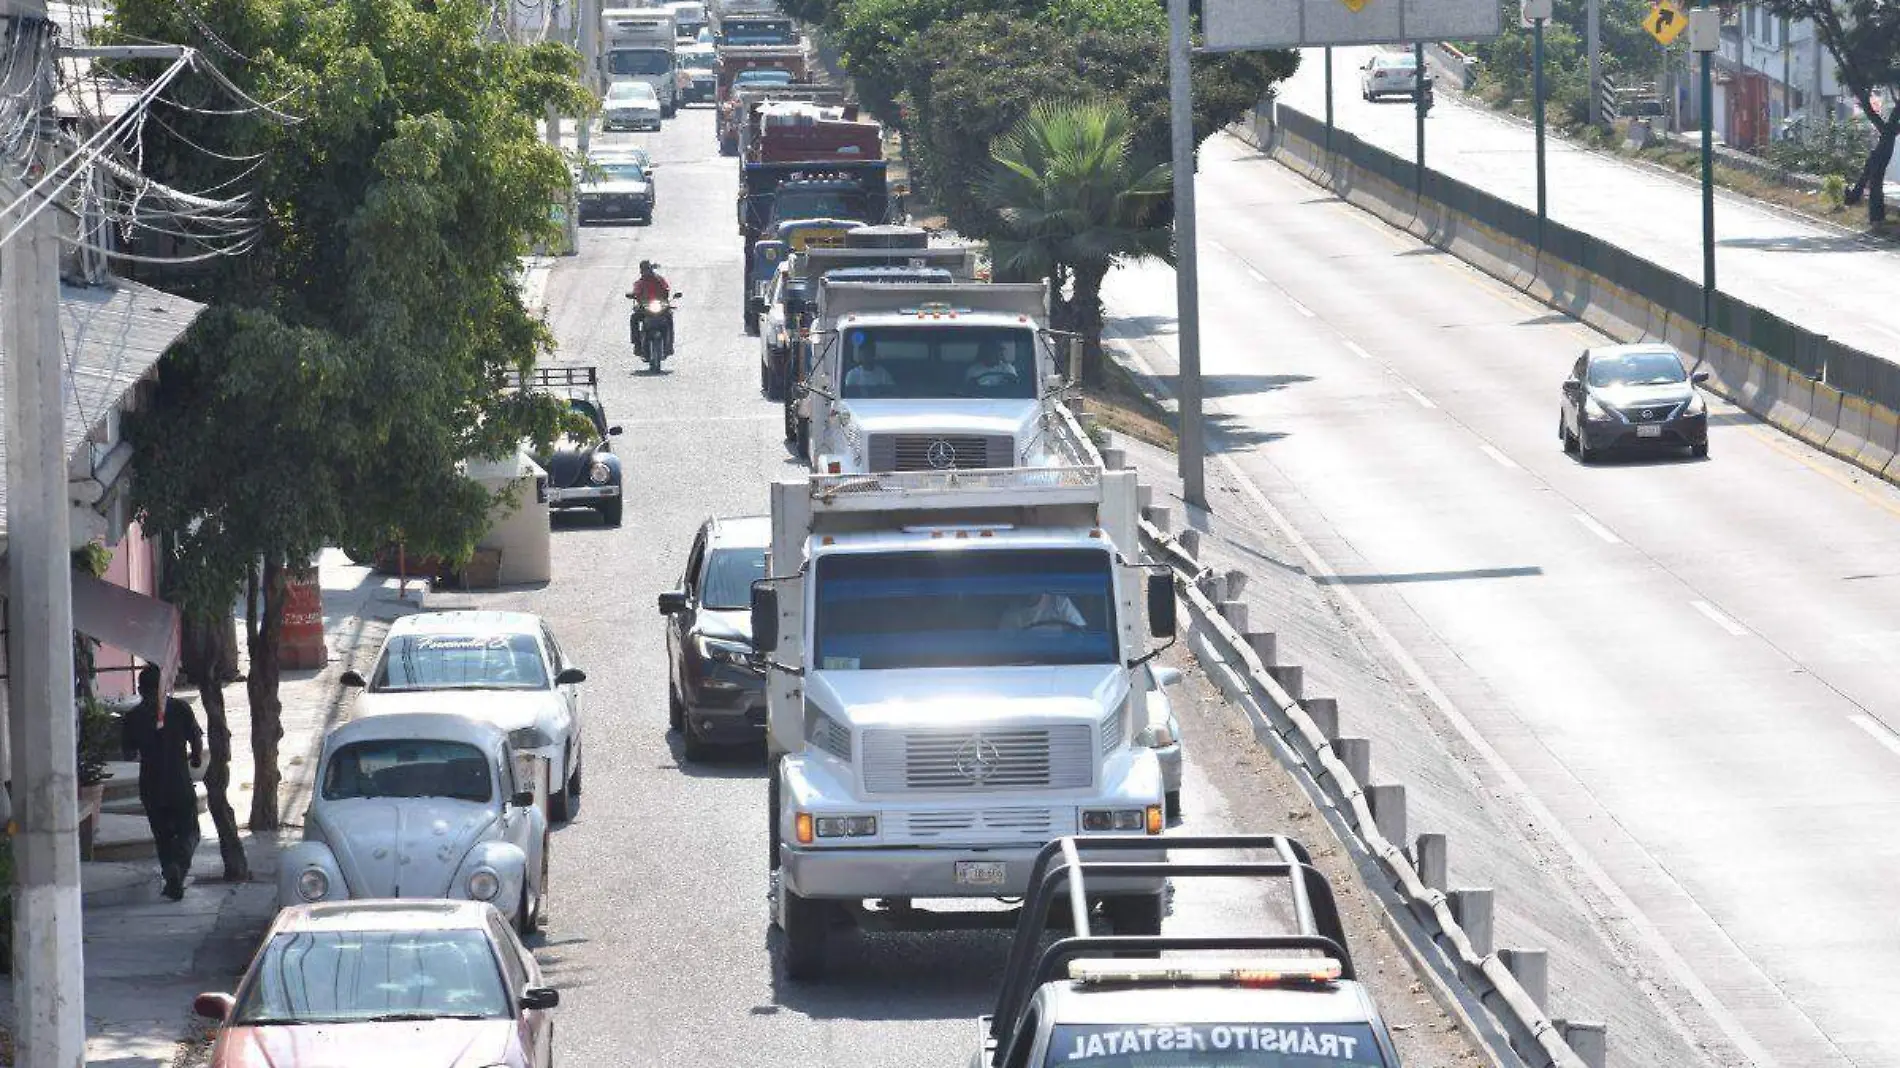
(1329, 100)
(1537, 96)
(1418, 95)
(1187, 290)
(1593, 39)
(1704, 37)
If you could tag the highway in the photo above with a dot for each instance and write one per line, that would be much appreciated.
(659, 938)
(1817, 276)
(1679, 673)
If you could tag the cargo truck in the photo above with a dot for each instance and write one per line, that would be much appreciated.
(741, 101)
(775, 129)
(638, 44)
(772, 194)
(755, 29)
(952, 683)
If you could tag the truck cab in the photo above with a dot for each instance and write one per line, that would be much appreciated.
(772, 195)
(935, 377)
(755, 29)
(952, 684)
(640, 44)
(1089, 1001)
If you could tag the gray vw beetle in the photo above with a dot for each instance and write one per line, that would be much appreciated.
(421, 805)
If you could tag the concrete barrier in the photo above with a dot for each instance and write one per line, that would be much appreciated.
(1824, 413)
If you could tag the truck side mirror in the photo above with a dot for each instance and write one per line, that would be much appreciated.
(1160, 605)
(353, 678)
(764, 619)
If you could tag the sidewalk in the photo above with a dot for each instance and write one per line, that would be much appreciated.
(1823, 279)
(146, 957)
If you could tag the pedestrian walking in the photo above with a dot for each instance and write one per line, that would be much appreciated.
(158, 733)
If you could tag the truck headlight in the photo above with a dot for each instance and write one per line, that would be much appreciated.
(530, 738)
(313, 884)
(847, 826)
(1113, 819)
(600, 474)
(483, 885)
(1156, 736)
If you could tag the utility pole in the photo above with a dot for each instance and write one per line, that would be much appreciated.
(1705, 36)
(1419, 77)
(589, 47)
(49, 990)
(1187, 289)
(1593, 41)
(1538, 12)
(1329, 100)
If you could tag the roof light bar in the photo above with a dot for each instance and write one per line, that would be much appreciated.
(1257, 971)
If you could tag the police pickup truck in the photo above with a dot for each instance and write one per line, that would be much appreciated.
(1159, 1001)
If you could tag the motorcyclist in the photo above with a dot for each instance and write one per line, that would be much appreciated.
(651, 286)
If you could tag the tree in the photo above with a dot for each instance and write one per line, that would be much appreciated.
(1863, 36)
(1073, 199)
(351, 362)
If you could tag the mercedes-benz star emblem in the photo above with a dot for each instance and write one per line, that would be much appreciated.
(978, 759)
(941, 455)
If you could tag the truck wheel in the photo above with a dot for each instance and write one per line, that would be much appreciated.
(806, 926)
(771, 807)
(1138, 915)
(1174, 804)
(751, 322)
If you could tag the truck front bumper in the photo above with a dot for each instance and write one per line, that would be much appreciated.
(926, 872)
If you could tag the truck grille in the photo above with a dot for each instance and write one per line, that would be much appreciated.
(941, 452)
(1057, 757)
(1114, 728)
(1035, 824)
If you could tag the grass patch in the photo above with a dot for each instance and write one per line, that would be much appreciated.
(1120, 405)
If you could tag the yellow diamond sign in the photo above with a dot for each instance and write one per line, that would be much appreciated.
(1665, 21)
(1353, 5)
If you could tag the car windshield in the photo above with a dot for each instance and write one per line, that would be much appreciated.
(796, 204)
(1397, 61)
(625, 61)
(1637, 369)
(939, 362)
(698, 63)
(1239, 1045)
(729, 577)
(461, 662)
(620, 171)
(974, 608)
(307, 977)
(407, 767)
(763, 77)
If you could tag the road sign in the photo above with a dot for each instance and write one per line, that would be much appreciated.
(1249, 25)
(1665, 21)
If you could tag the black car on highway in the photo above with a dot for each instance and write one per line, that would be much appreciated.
(1632, 395)
(716, 688)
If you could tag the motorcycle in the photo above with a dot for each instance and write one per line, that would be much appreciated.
(648, 325)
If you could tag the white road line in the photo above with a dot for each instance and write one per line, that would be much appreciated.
(1357, 351)
(1880, 731)
(1422, 399)
(1598, 529)
(1716, 617)
(1301, 308)
(1220, 246)
(1257, 276)
(1503, 461)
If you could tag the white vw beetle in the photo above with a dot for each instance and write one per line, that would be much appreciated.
(420, 805)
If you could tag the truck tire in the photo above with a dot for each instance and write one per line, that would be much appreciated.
(771, 808)
(1136, 914)
(805, 925)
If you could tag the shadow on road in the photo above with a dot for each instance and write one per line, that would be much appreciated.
(1430, 576)
(1827, 243)
(726, 762)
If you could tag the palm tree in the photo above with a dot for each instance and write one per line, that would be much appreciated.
(1073, 201)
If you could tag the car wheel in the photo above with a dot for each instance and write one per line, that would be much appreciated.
(675, 710)
(524, 916)
(1569, 439)
(540, 920)
(806, 925)
(1586, 454)
(1700, 452)
(692, 747)
(1138, 915)
(560, 810)
(610, 512)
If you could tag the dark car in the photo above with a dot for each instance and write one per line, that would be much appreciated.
(716, 688)
(583, 471)
(1632, 395)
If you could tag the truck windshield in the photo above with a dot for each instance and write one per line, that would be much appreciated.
(938, 362)
(794, 204)
(639, 61)
(970, 608)
(758, 33)
(1209, 1045)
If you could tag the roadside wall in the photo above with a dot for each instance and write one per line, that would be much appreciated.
(1836, 398)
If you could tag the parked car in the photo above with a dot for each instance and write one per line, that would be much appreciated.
(1389, 74)
(716, 689)
(583, 471)
(420, 805)
(616, 189)
(1162, 731)
(1621, 395)
(424, 984)
(502, 667)
(630, 105)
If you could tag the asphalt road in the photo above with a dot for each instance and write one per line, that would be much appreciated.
(1818, 277)
(1685, 668)
(659, 933)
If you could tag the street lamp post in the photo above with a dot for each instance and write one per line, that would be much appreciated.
(1186, 284)
(1419, 106)
(1705, 32)
(1538, 12)
(1329, 100)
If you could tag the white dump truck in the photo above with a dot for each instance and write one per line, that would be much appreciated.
(953, 681)
(953, 376)
(639, 44)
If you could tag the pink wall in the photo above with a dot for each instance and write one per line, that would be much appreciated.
(131, 568)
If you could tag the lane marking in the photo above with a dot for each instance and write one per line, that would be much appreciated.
(1598, 529)
(1422, 399)
(1357, 351)
(1301, 308)
(1716, 617)
(1220, 246)
(1503, 461)
(1257, 276)
(1880, 731)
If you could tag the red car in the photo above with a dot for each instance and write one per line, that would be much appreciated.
(424, 984)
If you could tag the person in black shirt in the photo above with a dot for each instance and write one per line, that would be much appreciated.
(159, 740)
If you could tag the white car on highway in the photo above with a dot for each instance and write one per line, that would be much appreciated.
(630, 105)
(502, 667)
(420, 806)
(1389, 74)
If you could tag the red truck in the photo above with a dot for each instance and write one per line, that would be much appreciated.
(803, 131)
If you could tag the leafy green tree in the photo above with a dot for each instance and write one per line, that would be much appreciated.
(350, 363)
(1628, 54)
(1863, 36)
(1073, 199)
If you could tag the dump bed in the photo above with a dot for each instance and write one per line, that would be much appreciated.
(838, 299)
(959, 260)
(779, 130)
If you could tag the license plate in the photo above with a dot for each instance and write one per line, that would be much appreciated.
(981, 872)
(1649, 431)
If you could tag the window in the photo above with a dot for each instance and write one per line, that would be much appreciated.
(1637, 369)
(931, 363)
(693, 559)
(407, 768)
(460, 662)
(729, 577)
(636, 62)
(357, 976)
(511, 964)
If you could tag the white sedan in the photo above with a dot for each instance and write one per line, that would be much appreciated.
(501, 667)
(1389, 74)
(630, 106)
